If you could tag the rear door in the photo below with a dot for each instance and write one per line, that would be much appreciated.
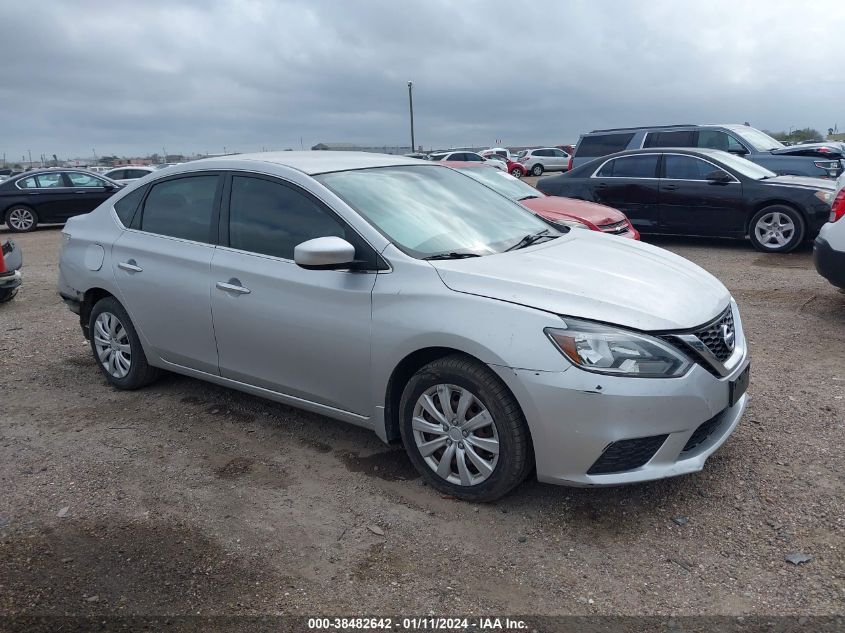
(162, 268)
(303, 333)
(692, 204)
(49, 194)
(630, 184)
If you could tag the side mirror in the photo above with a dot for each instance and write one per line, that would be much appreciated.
(324, 253)
(739, 151)
(717, 175)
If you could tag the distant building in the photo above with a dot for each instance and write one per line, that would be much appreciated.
(131, 161)
(836, 137)
(355, 147)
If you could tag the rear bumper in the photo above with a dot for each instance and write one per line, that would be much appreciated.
(10, 280)
(830, 264)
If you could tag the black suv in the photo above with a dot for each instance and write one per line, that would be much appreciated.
(823, 160)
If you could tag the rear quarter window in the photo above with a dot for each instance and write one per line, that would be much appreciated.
(677, 138)
(603, 144)
(128, 205)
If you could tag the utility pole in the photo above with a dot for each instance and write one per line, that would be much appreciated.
(411, 107)
(29, 151)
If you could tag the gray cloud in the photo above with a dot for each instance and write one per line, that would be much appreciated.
(132, 78)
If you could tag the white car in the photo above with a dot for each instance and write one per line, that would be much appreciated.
(407, 298)
(537, 161)
(829, 248)
(127, 173)
(469, 157)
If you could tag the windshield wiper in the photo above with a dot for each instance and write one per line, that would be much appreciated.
(528, 197)
(533, 238)
(451, 256)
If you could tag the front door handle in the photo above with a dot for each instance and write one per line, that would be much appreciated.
(131, 266)
(670, 187)
(81, 191)
(233, 285)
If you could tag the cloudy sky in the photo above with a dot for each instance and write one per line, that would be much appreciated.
(197, 76)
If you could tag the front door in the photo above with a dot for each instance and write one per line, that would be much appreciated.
(304, 333)
(162, 270)
(89, 192)
(630, 184)
(692, 204)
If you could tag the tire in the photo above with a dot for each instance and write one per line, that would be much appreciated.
(776, 229)
(486, 475)
(537, 170)
(117, 328)
(21, 219)
(517, 173)
(7, 295)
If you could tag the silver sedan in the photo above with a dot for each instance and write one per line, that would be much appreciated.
(410, 299)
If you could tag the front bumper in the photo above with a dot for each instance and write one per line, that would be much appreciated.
(596, 430)
(830, 264)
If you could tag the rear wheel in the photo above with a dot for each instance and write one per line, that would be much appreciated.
(776, 229)
(517, 173)
(464, 431)
(117, 348)
(7, 294)
(537, 170)
(21, 219)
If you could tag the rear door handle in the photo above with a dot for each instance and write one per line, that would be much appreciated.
(83, 191)
(602, 185)
(131, 266)
(233, 285)
(670, 187)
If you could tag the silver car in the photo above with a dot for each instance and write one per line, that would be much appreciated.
(410, 299)
(537, 161)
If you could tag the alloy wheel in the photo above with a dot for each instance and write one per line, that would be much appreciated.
(21, 219)
(774, 230)
(455, 435)
(111, 341)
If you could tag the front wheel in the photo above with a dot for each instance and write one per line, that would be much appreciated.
(776, 229)
(537, 170)
(517, 173)
(7, 294)
(117, 348)
(21, 219)
(464, 431)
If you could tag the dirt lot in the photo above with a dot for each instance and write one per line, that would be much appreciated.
(185, 497)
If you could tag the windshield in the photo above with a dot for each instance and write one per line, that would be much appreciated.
(760, 141)
(746, 167)
(504, 183)
(428, 210)
(436, 156)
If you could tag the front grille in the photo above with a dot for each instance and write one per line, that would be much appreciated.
(615, 227)
(712, 336)
(701, 434)
(627, 455)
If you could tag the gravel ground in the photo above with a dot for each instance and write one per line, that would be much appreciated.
(186, 497)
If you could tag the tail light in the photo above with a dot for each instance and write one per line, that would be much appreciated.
(837, 211)
(569, 164)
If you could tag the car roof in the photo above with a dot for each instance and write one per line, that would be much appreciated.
(313, 162)
(460, 164)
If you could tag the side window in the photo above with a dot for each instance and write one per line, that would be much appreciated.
(644, 166)
(128, 204)
(677, 138)
(78, 179)
(686, 167)
(603, 144)
(270, 218)
(713, 139)
(181, 208)
(51, 180)
(560, 153)
(542, 152)
(135, 173)
(472, 157)
(120, 174)
(27, 183)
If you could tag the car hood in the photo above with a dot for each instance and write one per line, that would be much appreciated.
(801, 182)
(593, 276)
(596, 214)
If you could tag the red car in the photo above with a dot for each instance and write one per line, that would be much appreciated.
(515, 169)
(595, 217)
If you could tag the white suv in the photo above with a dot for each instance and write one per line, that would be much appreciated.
(829, 249)
(537, 161)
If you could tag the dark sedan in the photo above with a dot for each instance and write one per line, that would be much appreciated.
(702, 192)
(51, 196)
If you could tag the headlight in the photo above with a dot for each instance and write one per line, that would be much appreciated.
(571, 224)
(824, 196)
(606, 350)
